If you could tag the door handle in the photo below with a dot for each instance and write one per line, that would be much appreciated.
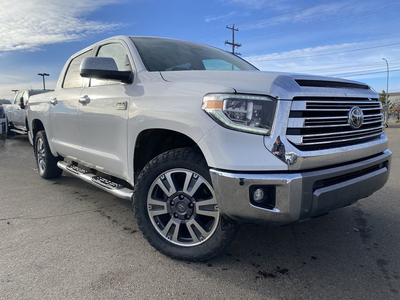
(54, 101)
(84, 100)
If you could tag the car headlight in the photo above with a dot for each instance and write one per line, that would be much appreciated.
(247, 113)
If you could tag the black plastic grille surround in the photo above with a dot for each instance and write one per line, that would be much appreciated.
(323, 123)
(331, 84)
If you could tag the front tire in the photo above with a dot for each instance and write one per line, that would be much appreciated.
(45, 160)
(176, 208)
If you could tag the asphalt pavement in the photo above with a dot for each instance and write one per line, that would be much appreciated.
(65, 239)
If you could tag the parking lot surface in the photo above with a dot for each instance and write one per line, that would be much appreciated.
(64, 239)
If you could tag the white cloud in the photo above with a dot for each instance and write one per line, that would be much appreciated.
(276, 5)
(218, 18)
(254, 4)
(294, 15)
(7, 93)
(29, 24)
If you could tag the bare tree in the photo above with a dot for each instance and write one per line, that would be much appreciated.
(395, 109)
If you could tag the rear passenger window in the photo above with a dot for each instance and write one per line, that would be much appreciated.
(72, 77)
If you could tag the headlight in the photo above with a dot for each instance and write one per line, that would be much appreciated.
(247, 113)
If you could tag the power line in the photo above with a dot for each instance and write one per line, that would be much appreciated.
(363, 73)
(327, 54)
(347, 69)
(208, 34)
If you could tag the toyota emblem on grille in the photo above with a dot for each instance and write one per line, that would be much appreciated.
(356, 117)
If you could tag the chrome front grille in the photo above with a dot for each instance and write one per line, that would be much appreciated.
(323, 123)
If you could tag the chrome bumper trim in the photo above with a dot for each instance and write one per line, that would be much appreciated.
(300, 195)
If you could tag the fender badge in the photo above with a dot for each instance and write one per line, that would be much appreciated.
(122, 105)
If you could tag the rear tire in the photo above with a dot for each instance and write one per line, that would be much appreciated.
(45, 160)
(10, 134)
(176, 208)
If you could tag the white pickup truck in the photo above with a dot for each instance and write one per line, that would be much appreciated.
(202, 141)
(16, 113)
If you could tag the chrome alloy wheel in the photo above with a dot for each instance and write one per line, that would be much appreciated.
(182, 207)
(41, 155)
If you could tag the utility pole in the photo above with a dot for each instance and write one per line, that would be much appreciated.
(43, 74)
(15, 91)
(233, 40)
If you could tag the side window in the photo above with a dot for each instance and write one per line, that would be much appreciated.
(72, 77)
(117, 52)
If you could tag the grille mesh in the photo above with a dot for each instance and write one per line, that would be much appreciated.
(324, 123)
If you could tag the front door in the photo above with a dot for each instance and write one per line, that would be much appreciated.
(103, 117)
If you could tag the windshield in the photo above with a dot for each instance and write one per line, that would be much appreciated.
(160, 54)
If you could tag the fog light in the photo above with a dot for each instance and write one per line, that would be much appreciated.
(263, 196)
(258, 195)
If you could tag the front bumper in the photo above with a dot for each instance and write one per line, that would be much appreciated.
(300, 195)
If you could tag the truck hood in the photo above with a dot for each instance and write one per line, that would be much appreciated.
(280, 85)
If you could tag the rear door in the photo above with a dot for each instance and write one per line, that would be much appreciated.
(103, 115)
(64, 122)
(20, 112)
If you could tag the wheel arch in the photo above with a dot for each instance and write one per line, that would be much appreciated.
(37, 126)
(152, 142)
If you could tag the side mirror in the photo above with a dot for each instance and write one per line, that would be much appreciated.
(21, 103)
(104, 68)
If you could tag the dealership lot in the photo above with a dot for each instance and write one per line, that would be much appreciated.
(64, 239)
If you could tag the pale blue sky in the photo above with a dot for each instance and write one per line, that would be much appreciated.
(345, 39)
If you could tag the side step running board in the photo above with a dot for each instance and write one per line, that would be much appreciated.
(98, 181)
(18, 131)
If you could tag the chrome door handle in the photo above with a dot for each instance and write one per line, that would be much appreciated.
(54, 101)
(84, 100)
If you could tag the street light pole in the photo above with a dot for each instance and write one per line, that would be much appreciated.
(43, 74)
(387, 92)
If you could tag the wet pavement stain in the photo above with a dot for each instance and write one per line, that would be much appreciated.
(383, 267)
(362, 225)
(274, 274)
(365, 232)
